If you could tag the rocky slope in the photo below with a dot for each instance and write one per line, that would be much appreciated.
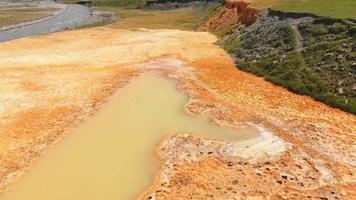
(305, 149)
(307, 54)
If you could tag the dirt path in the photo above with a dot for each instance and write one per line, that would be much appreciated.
(299, 39)
(51, 83)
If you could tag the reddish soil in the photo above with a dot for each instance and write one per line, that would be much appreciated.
(47, 90)
(233, 14)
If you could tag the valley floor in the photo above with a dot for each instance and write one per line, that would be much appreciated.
(47, 90)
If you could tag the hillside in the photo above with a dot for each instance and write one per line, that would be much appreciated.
(305, 53)
(181, 100)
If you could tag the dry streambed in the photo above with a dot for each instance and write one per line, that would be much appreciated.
(291, 146)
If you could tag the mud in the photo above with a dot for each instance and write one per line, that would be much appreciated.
(111, 156)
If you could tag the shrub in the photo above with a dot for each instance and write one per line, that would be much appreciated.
(352, 31)
(337, 28)
(259, 49)
(318, 30)
(289, 37)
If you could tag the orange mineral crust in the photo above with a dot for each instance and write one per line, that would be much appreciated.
(51, 83)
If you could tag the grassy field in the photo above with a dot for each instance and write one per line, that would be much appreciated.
(328, 8)
(10, 16)
(260, 4)
(173, 19)
(112, 3)
(183, 18)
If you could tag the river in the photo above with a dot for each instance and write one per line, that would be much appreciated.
(72, 16)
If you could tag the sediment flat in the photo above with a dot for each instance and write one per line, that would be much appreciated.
(51, 83)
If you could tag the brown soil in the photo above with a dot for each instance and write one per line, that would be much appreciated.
(237, 12)
(47, 90)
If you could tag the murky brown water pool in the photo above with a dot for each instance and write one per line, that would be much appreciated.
(111, 156)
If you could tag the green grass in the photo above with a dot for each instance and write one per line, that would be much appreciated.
(328, 8)
(11, 16)
(133, 4)
(317, 70)
(183, 18)
(295, 75)
(204, 13)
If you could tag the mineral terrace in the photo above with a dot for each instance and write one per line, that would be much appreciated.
(49, 84)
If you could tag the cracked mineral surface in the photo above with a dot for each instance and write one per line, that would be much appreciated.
(50, 84)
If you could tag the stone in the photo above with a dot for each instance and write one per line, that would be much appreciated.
(235, 182)
(285, 177)
(328, 55)
(340, 90)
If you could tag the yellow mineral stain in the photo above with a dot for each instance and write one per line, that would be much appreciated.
(111, 156)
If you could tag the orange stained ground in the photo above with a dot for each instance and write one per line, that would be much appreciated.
(49, 84)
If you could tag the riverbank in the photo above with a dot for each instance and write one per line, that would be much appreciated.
(68, 17)
(17, 14)
(73, 78)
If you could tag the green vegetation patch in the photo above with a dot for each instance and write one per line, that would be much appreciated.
(121, 3)
(183, 18)
(132, 4)
(328, 8)
(324, 68)
(207, 11)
